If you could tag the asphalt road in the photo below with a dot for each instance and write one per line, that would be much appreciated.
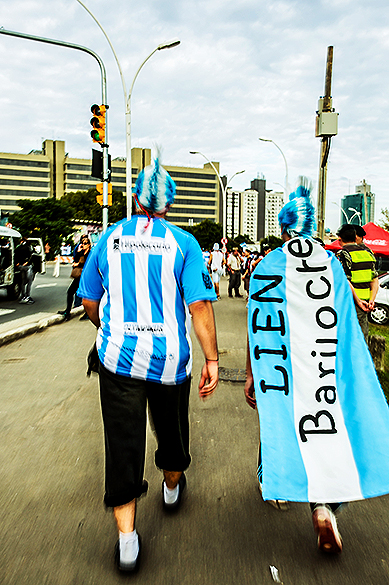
(49, 294)
(55, 530)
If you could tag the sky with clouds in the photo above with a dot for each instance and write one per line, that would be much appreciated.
(243, 70)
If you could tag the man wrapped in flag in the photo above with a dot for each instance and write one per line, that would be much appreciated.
(324, 421)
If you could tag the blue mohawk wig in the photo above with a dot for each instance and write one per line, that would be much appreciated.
(155, 189)
(297, 217)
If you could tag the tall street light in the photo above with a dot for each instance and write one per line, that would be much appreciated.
(342, 210)
(168, 45)
(222, 186)
(286, 164)
(127, 102)
(358, 213)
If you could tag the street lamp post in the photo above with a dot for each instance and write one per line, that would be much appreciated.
(286, 164)
(168, 45)
(103, 99)
(127, 102)
(342, 210)
(222, 186)
(358, 213)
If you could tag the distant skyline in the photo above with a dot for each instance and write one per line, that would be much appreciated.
(242, 71)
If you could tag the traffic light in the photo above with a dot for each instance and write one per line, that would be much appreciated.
(98, 123)
(99, 198)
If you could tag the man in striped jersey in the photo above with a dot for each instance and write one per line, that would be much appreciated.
(144, 281)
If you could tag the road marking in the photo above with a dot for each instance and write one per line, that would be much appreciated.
(6, 311)
(45, 285)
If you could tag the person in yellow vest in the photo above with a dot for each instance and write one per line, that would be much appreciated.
(359, 266)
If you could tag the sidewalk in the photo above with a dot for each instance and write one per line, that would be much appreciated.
(55, 530)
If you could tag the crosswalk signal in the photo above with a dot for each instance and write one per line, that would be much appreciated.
(98, 123)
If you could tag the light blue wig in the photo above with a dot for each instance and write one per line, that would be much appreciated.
(297, 217)
(154, 189)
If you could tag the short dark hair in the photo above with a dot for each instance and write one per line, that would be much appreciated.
(359, 231)
(347, 233)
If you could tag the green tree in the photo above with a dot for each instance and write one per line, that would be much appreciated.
(384, 223)
(84, 205)
(271, 241)
(48, 219)
(206, 233)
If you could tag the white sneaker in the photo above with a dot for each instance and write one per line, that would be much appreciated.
(23, 300)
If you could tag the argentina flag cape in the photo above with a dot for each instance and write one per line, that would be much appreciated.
(324, 420)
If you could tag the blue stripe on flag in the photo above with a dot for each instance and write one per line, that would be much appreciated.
(364, 406)
(283, 466)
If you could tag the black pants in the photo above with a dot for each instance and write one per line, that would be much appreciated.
(123, 405)
(234, 282)
(71, 292)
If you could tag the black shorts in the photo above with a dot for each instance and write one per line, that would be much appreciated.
(123, 405)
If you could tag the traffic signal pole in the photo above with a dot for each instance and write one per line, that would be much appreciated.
(103, 101)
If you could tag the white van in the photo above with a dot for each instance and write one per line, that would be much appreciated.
(10, 278)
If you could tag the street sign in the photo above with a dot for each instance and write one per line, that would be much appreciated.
(224, 240)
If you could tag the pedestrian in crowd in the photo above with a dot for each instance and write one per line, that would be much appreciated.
(206, 257)
(247, 259)
(257, 257)
(358, 263)
(234, 265)
(324, 418)
(215, 263)
(145, 276)
(79, 260)
(23, 264)
(360, 233)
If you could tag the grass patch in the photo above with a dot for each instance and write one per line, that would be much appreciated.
(383, 377)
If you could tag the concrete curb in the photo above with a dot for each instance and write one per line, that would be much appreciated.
(30, 328)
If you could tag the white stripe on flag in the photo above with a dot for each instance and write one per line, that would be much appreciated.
(328, 458)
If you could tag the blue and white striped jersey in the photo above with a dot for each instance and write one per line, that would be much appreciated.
(145, 280)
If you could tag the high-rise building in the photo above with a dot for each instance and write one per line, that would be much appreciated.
(274, 204)
(51, 172)
(354, 208)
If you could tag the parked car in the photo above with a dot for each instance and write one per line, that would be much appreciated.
(10, 278)
(380, 313)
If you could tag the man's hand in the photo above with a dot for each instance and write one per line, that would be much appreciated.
(249, 391)
(209, 379)
(364, 305)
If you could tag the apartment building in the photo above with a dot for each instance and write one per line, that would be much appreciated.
(51, 172)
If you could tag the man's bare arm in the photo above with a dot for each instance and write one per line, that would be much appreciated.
(92, 310)
(204, 326)
(249, 386)
(374, 286)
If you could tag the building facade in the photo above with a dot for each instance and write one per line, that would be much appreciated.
(274, 204)
(353, 206)
(51, 172)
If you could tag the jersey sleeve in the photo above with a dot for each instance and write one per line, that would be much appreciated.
(195, 280)
(91, 283)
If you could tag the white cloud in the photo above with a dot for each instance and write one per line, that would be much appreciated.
(243, 70)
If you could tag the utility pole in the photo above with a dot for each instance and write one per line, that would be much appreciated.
(326, 127)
